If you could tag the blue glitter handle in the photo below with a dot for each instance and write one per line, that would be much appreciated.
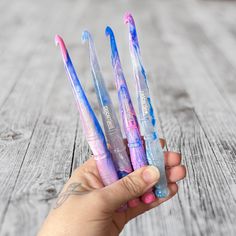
(110, 121)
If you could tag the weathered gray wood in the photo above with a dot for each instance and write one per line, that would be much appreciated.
(197, 82)
(24, 127)
(51, 145)
(19, 39)
(212, 116)
(216, 129)
(190, 60)
(223, 75)
(223, 13)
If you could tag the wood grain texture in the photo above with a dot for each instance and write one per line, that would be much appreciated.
(27, 134)
(19, 40)
(188, 48)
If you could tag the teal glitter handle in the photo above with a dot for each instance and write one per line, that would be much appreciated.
(154, 151)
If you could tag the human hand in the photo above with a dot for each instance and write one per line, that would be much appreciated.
(86, 207)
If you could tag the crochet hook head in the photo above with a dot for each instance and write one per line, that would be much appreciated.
(59, 41)
(114, 52)
(138, 67)
(86, 36)
(128, 19)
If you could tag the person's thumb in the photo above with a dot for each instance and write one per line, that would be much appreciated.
(131, 186)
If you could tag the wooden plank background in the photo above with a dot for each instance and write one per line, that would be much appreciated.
(189, 50)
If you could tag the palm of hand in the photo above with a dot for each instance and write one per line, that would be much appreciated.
(111, 223)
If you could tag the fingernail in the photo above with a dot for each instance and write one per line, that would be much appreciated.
(151, 174)
(148, 198)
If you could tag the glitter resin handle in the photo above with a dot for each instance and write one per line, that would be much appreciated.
(129, 120)
(110, 122)
(155, 157)
(154, 151)
(91, 127)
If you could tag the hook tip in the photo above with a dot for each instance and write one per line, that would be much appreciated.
(86, 36)
(59, 41)
(128, 18)
(108, 31)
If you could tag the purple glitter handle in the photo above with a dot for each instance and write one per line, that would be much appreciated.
(129, 119)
